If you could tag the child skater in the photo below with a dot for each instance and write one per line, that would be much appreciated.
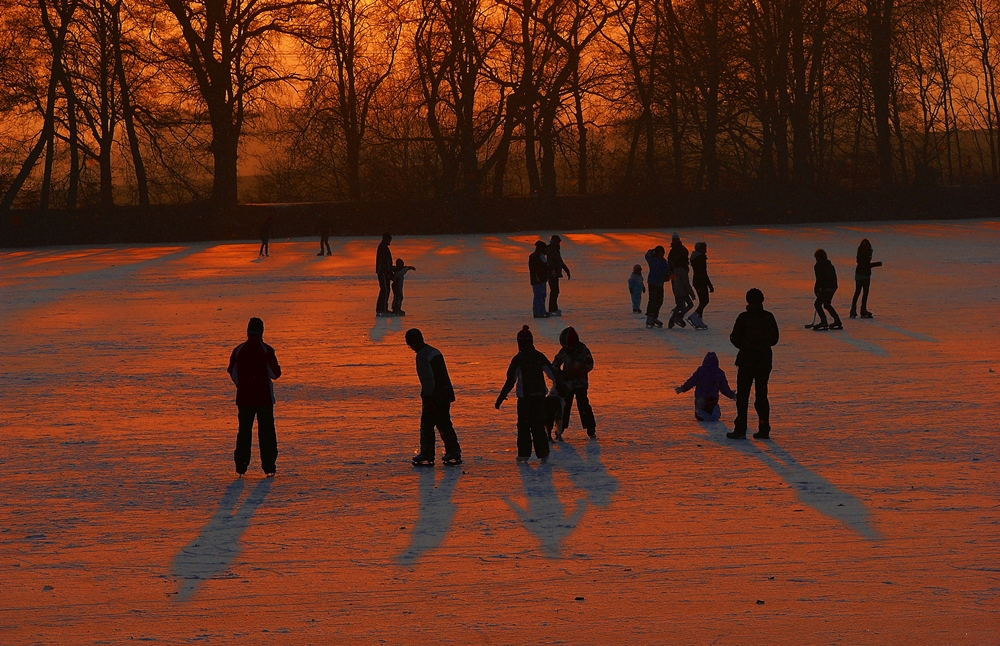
(863, 279)
(636, 288)
(527, 372)
(708, 381)
(554, 412)
(398, 274)
(701, 283)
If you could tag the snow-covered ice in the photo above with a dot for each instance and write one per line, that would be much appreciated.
(872, 517)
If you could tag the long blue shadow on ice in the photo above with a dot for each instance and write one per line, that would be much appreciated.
(219, 543)
(810, 487)
(384, 325)
(587, 473)
(860, 344)
(436, 513)
(545, 516)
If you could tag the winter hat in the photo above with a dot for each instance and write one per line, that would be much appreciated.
(568, 337)
(700, 246)
(659, 250)
(414, 337)
(540, 245)
(525, 339)
(636, 269)
(820, 254)
(755, 296)
(255, 327)
(556, 238)
(676, 237)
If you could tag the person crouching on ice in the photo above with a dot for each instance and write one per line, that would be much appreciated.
(527, 371)
(708, 381)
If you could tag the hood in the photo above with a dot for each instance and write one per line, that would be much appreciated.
(568, 337)
(711, 360)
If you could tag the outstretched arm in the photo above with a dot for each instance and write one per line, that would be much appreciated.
(687, 385)
(509, 384)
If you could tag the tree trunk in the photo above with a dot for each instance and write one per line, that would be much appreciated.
(128, 113)
(880, 33)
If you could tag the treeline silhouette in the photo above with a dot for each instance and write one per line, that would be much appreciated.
(106, 102)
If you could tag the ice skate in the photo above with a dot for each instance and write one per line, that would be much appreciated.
(420, 460)
(269, 475)
(555, 313)
(635, 311)
(657, 322)
(854, 314)
(320, 253)
(867, 315)
(670, 323)
(398, 313)
(736, 435)
(697, 322)
(523, 458)
(650, 321)
(762, 435)
(836, 325)
(820, 327)
(452, 459)
(591, 432)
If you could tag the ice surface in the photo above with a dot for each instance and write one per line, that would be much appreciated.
(872, 517)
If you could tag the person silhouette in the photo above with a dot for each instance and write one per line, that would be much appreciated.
(863, 279)
(436, 397)
(553, 258)
(383, 269)
(252, 366)
(754, 334)
(527, 371)
(265, 237)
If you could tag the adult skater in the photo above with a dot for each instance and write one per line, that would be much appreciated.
(574, 361)
(383, 269)
(252, 366)
(708, 381)
(654, 280)
(754, 334)
(701, 282)
(538, 274)
(324, 236)
(677, 262)
(825, 288)
(265, 237)
(636, 288)
(863, 279)
(553, 258)
(527, 371)
(436, 397)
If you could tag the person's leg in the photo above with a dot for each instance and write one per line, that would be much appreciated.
(654, 302)
(538, 300)
(818, 304)
(586, 410)
(744, 380)
(267, 248)
(702, 300)
(636, 300)
(761, 402)
(686, 305)
(523, 429)
(567, 408)
(383, 294)
(397, 298)
(865, 286)
(539, 439)
(267, 439)
(244, 438)
(828, 305)
(554, 294)
(428, 418)
(261, 252)
(858, 283)
(447, 430)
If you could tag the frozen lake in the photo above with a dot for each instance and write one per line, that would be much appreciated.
(873, 516)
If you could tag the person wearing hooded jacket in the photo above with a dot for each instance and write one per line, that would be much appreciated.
(538, 275)
(526, 373)
(574, 361)
(863, 279)
(677, 261)
(825, 288)
(252, 366)
(436, 397)
(658, 273)
(701, 282)
(553, 258)
(708, 381)
(754, 334)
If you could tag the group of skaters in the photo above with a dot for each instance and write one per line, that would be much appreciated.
(545, 389)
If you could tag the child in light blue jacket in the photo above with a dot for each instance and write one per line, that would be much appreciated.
(636, 287)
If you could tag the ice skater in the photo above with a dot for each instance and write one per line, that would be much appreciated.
(658, 270)
(702, 284)
(677, 262)
(553, 258)
(265, 237)
(863, 279)
(554, 404)
(575, 362)
(754, 334)
(252, 366)
(825, 288)
(324, 237)
(527, 372)
(436, 397)
(708, 381)
(538, 274)
(383, 269)
(636, 288)
(398, 275)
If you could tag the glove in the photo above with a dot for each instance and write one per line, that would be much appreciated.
(678, 390)
(500, 400)
(711, 289)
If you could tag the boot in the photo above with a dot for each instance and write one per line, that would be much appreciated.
(737, 435)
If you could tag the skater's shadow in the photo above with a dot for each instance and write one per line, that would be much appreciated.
(436, 513)
(860, 344)
(810, 487)
(589, 474)
(219, 543)
(384, 325)
(545, 516)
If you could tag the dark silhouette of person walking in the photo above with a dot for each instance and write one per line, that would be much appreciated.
(677, 262)
(384, 271)
(702, 284)
(658, 270)
(436, 397)
(754, 334)
(527, 372)
(825, 288)
(863, 279)
(265, 237)
(553, 258)
(324, 236)
(538, 274)
(574, 362)
(252, 366)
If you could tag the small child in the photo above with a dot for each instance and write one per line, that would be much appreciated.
(398, 274)
(554, 403)
(636, 287)
(708, 381)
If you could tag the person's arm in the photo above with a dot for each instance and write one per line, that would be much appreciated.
(426, 375)
(566, 269)
(876, 264)
(509, 384)
(272, 363)
(689, 384)
(736, 336)
(588, 360)
(724, 387)
(560, 359)
(232, 365)
(775, 335)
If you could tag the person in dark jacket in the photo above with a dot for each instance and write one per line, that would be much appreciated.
(538, 274)
(252, 366)
(436, 397)
(399, 271)
(553, 258)
(384, 271)
(863, 279)
(701, 282)
(825, 288)
(658, 274)
(636, 288)
(265, 237)
(324, 236)
(708, 381)
(575, 362)
(754, 334)
(527, 372)
(677, 262)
